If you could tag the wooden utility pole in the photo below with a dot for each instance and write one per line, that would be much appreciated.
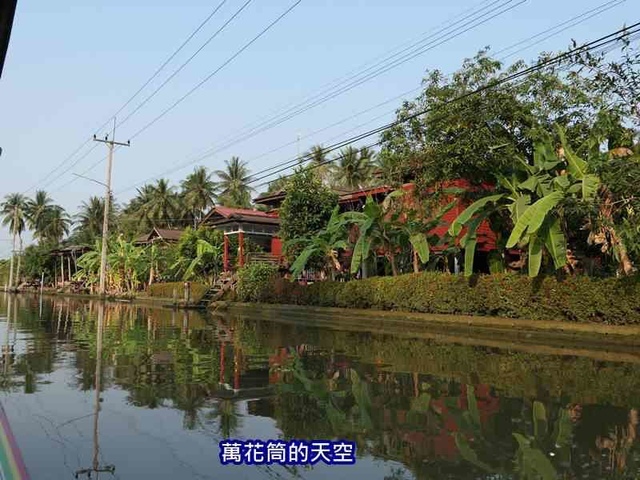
(107, 199)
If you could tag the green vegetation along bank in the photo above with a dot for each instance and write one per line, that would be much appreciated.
(610, 301)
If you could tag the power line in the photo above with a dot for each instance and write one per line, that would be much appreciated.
(142, 87)
(539, 37)
(421, 48)
(598, 43)
(217, 70)
(209, 40)
(561, 27)
(205, 80)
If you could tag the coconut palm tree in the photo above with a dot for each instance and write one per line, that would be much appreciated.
(90, 219)
(163, 205)
(198, 193)
(57, 224)
(14, 213)
(351, 169)
(36, 213)
(233, 187)
(318, 161)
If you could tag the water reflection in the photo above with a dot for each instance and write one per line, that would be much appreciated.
(95, 465)
(158, 388)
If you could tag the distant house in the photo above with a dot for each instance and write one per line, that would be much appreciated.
(261, 227)
(159, 235)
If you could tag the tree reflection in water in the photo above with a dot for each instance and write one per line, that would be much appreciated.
(441, 410)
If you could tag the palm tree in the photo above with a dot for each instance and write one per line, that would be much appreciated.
(198, 193)
(278, 185)
(233, 188)
(37, 212)
(139, 206)
(385, 170)
(13, 210)
(162, 204)
(318, 161)
(57, 224)
(90, 219)
(351, 169)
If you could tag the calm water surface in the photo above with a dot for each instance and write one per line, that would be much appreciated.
(172, 384)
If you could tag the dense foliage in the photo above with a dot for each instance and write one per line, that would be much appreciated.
(575, 299)
(306, 209)
(254, 280)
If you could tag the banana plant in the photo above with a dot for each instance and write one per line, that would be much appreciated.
(205, 253)
(325, 244)
(389, 227)
(530, 197)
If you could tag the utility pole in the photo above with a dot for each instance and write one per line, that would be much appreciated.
(107, 199)
(95, 465)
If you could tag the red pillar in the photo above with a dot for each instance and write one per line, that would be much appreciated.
(236, 368)
(225, 255)
(241, 248)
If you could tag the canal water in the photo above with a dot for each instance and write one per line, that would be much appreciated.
(130, 392)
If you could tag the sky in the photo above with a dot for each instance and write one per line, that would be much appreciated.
(72, 64)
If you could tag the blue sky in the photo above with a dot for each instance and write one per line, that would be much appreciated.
(72, 64)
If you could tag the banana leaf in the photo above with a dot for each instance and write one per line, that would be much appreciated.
(470, 211)
(556, 243)
(532, 218)
(535, 255)
(539, 421)
(420, 245)
(469, 454)
(534, 461)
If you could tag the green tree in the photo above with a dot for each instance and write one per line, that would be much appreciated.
(198, 193)
(38, 260)
(472, 125)
(14, 215)
(531, 197)
(89, 220)
(233, 186)
(353, 169)
(199, 254)
(317, 161)
(325, 245)
(306, 209)
(37, 211)
(162, 207)
(57, 224)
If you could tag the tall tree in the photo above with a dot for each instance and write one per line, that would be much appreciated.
(198, 193)
(163, 205)
(305, 211)
(318, 162)
(57, 225)
(351, 169)
(37, 210)
(90, 218)
(233, 186)
(14, 213)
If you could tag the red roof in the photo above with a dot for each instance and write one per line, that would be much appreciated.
(227, 212)
(219, 215)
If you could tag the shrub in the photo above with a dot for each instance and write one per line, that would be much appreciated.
(576, 299)
(165, 290)
(255, 281)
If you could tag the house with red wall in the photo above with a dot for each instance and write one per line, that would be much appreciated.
(262, 226)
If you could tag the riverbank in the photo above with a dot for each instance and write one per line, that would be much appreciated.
(577, 300)
(563, 337)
